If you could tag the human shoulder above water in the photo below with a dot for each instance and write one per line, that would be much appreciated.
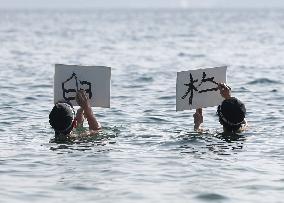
(231, 113)
(64, 121)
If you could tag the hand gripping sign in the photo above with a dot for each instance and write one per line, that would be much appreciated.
(199, 88)
(95, 80)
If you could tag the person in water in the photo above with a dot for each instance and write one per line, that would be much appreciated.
(231, 113)
(63, 120)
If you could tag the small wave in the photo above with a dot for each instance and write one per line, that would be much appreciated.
(42, 86)
(107, 48)
(145, 79)
(156, 119)
(264, 81)
(167, 97)
(82, 143)
(211, 197)
(182, 54)
(30, 98)
(149, 37)
(8, 87)
(10, 30)
(133, 86)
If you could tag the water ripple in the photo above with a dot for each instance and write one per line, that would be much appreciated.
(147, 152)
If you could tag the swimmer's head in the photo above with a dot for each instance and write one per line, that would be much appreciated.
(231, 114)
(61, 118)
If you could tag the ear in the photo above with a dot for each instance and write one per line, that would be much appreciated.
(74, 123)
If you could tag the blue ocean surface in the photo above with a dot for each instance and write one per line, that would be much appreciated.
(147, 152)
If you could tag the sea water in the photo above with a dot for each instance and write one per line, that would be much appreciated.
(147, 152)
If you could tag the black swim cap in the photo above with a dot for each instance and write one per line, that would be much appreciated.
(61, 117)
(232, 112)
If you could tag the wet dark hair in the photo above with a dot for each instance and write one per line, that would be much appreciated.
(231, 114)
(61, 118)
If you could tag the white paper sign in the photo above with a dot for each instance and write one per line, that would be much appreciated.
(95, 80)
(198, 88)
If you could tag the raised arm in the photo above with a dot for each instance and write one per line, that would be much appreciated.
(198, 119)
(79, 117)
(84, 103)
